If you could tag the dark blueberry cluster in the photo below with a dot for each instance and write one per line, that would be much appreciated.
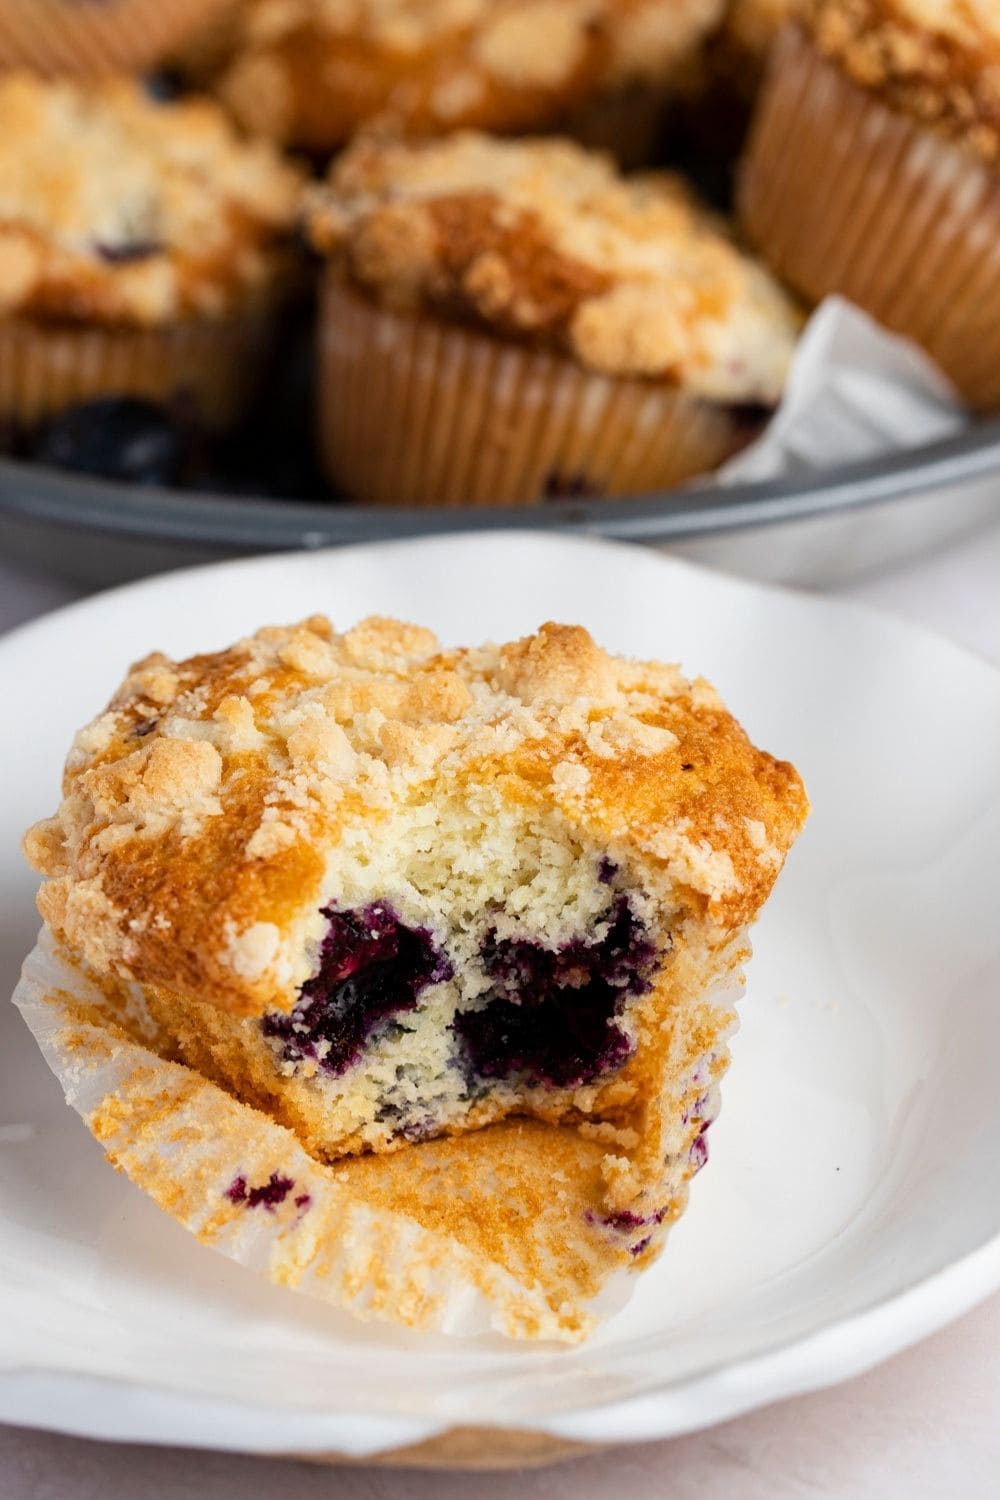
(569, 487)
(552, 1018)
(270, 1193)
(371, 968)
(699, 1149)
(116, 437)
(127, 252)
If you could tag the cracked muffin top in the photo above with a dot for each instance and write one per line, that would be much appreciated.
(312, 71)
(204, 809)
(540, 239)
(116, 208)
(938, 60)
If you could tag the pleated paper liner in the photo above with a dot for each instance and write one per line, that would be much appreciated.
(414, 410)
(842, 194)
(213, 366)
(93, 37)
(506, 1229)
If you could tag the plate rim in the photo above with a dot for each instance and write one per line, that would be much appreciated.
(831, 1353)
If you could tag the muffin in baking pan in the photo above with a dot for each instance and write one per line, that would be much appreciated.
(447, 916)
(311, 74)
(503, 321)
(145, 250)
(873, 170)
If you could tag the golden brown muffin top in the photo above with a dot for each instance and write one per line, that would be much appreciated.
(312, 71)
(201, 808)
(937, 60)
(541, 240)
(116, 208)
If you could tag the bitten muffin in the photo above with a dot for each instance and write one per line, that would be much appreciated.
(873, 170)
(311, 73)
(508, 320)
(90, 39)
(144, 251)
(387, 894)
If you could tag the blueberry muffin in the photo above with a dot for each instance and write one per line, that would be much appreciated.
(145, 250)
(508, 320)
(873, 170)
(476, 914)
(90, 39)
(311, 73)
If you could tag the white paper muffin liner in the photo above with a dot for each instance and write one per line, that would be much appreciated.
(530, 1255)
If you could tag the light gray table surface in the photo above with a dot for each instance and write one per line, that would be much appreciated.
(922, 1426)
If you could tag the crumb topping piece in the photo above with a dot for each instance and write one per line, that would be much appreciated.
(202, 810)
(116, 207)
(937, 60)
(542, 240)
(312, 71)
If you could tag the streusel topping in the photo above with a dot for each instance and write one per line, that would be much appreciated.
(938, 60)
(115, 207)
(202, 810)
(431, 65)
(540, 239)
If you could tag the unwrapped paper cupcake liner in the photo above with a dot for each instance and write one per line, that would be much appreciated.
(501, 1229)
(100, 37)
(842, 194)
(414, 410)
(208, 366)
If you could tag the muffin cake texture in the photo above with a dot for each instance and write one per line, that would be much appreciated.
(446, 916)
(524, 321)
(873, 170)
(310, 72)
(89, 39)
(144, 250)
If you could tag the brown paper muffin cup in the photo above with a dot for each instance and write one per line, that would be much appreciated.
(416, 411)
(210, 368)
(842, 194)
(86, 39)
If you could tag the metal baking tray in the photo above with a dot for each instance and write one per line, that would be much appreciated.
(814, 528)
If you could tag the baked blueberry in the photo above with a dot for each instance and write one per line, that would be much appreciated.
(114, 437)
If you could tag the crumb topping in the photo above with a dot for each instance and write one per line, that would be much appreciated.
(202, 808)
(314, 70)
(938, 60)
(539, 239)
(115, 207)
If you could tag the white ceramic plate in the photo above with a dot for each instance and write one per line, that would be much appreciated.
(853, 1202)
